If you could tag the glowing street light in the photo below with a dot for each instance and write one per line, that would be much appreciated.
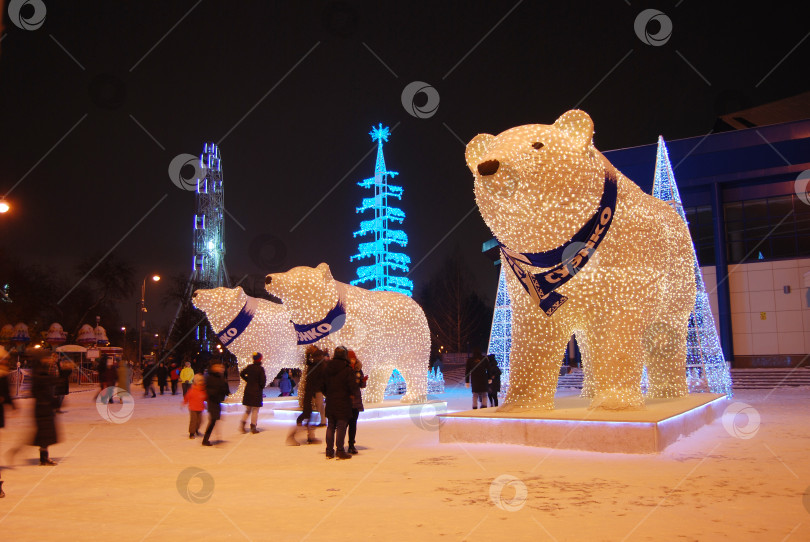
(4, 206)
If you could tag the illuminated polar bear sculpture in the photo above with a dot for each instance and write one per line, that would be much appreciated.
(246, 324)
(586, 253)
(387, 330)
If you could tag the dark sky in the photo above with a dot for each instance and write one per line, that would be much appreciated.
(290, 90)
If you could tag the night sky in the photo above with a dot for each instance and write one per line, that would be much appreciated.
(99, 100)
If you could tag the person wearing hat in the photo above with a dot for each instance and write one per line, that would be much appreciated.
(340, 386)
(255, 381)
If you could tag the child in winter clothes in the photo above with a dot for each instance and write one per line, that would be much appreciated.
(195, 399)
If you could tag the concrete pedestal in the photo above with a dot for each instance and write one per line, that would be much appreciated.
(573, 426)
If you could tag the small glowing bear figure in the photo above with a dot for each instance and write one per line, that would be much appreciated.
(588, 253)
(386, 330)
(246, 324)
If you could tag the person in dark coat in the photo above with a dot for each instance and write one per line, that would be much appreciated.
(148, 378)
(312, 384)
(255, 381)
(162, 373)
(494, 380)
(216, 388)
(174, 377)
(63, 387)
(42, 386)
(5, 400)
(340, 385)
(357, 398)
(477, 376)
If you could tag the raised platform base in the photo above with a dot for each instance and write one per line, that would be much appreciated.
(573, 426)
(377, 411)
(270, 403)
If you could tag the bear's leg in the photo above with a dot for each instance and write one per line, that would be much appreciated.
(582, 343)
(615, 367)
(665, 343)
(374, 392)
(236, 396)
(538, 345)
(414, 368)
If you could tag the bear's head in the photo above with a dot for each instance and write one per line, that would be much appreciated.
(220, 305)
(537, 185)
(309, 293)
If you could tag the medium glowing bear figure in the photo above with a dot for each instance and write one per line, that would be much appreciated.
(387, 330)
(246, 325)
(587, 253)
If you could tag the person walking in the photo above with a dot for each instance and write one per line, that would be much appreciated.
(162, 374)
(148, 378)
(357, 398)
(476, 377)
(195, 399)
(65, 367)
(494, 382)
(312, 383)
(339, 387)
(44, 417)
(216, 388)
(174, 377)
(253, 398)
(186, 377)
(5, 400)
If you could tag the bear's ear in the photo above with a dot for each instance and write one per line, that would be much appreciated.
(578, 126)
(324, 268)
(476, 149)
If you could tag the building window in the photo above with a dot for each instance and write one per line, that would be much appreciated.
(701, 228)
(772, 228)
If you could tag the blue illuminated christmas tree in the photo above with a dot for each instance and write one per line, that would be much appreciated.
(500, 336)
(381, 271)
(706, 365)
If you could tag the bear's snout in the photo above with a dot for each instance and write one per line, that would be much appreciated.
(490, 167)
(268, 279)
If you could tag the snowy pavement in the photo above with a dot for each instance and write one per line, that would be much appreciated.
(144, 479)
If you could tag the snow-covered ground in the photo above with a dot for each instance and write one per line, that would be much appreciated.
(145, 480)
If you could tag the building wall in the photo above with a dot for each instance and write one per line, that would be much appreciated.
(770, 327)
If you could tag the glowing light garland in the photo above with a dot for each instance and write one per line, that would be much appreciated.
(387, 330)
(707, 369)
(500, 335)
(536, 186)
(385, 261)
(266, 329)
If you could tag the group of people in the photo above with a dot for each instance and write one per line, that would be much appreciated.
(483, 377)
(171, 375)
(331, 387)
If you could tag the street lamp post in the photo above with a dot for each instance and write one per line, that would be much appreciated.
(141, 308)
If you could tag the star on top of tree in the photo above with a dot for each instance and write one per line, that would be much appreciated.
(379, 133)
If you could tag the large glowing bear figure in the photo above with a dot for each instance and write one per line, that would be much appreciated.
(387, 330)
(246, 324)
(587, 253)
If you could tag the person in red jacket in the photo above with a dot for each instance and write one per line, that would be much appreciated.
(195, 399)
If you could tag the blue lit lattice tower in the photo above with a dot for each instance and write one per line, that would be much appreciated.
(381, 272)
(208, 264)
(500, 336)
(704, 354)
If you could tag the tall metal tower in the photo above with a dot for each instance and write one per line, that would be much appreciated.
(208, 245)
(385, 261)
(208, 265)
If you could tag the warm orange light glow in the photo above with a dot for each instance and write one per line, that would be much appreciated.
(4, 206)
(155, 278)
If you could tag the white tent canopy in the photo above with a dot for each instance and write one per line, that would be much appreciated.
(71, 348)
